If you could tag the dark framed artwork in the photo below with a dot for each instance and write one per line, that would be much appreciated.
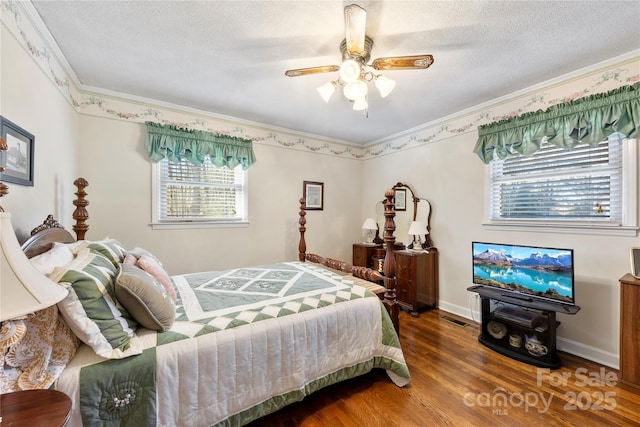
(400, 198)
(313, 193)
(18, 159)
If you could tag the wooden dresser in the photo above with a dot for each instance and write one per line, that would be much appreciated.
(417, 280)
(416, 275)
(630, 331)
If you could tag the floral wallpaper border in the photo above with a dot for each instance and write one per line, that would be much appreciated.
(18, 22)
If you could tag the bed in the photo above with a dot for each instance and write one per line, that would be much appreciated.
(226, 347)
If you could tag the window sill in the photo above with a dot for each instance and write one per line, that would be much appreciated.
(591, 228)
(198, 224)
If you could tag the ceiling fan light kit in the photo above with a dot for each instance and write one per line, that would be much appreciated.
(360, 104)
(326, 90)
(385, 85)
(355, 73)
(350, 71)
(355, 90)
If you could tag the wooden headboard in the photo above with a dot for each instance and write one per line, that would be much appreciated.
(50, 231)
(44, 236)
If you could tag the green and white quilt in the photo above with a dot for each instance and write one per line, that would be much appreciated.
(245, 343)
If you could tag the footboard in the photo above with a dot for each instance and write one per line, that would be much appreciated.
(387, 277)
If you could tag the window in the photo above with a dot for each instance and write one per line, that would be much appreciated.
(195, 195)
(592, 186)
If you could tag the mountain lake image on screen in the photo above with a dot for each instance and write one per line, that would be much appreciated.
(535, 271)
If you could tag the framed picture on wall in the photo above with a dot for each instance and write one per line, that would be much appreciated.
(313, 193)
(400, 198)
(17, 160)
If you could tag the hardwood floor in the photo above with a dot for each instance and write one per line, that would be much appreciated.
(456, 381)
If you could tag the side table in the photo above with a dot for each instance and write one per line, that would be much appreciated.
(35, 408)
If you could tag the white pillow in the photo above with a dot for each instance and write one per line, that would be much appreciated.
(58, 256)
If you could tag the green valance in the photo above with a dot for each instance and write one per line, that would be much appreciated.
(590, 120)
(194, 145)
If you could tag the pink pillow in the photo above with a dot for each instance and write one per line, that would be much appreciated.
(129, 259)
(154, 268)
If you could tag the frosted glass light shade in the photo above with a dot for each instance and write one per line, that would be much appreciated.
(355, 90)
(350, 71)
(385, 85)
(326, 90)
(360, 104)
(23, 289)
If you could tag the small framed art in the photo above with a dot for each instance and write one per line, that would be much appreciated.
(313, 193)
(400, 198)
(17, 161)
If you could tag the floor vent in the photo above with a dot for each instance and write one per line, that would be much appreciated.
(456, 321)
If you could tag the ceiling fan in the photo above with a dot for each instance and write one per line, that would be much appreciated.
(355, 72)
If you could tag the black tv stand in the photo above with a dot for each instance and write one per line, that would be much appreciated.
(523, 298)
(521, 327)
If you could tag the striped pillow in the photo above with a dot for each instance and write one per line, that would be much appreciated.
(91, 309)
(110, 248)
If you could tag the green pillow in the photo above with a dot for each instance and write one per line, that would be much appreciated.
(110, 248)
(91, 309)
(144, 298)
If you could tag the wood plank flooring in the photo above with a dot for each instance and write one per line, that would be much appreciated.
(456, 381)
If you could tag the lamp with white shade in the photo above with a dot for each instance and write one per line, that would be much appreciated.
(417, 229)
(370, 225)
(23, 289)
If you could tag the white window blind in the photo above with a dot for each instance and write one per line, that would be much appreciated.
(205, 193)
(583, 184)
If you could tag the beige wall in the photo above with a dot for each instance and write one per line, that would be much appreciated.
(28, 99)
(119, 174)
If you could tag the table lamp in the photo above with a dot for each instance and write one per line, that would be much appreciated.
(370, 225)
(417, 229)
(23, 289)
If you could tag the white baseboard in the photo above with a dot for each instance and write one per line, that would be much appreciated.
(588, 352)
(563, 344)
(460, 311)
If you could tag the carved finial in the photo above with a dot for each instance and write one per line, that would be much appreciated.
(49, 222)
(4, 190)
(80, 215)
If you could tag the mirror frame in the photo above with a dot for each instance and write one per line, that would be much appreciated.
(416, 200)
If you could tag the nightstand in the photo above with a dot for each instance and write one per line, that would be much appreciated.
(417, 280)
(35, 408)
(362, 253)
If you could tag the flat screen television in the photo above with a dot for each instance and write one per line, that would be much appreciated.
(525, 271)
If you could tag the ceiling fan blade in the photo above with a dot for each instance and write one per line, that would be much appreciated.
(403, 62)
(355, 20)
(312, 70)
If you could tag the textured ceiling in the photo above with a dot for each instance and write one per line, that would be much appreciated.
(229, 57)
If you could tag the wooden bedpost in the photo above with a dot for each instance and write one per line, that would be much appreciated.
(389, 267)
(4, 190)
(80, 215)
(302, 246)
(389, 274)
